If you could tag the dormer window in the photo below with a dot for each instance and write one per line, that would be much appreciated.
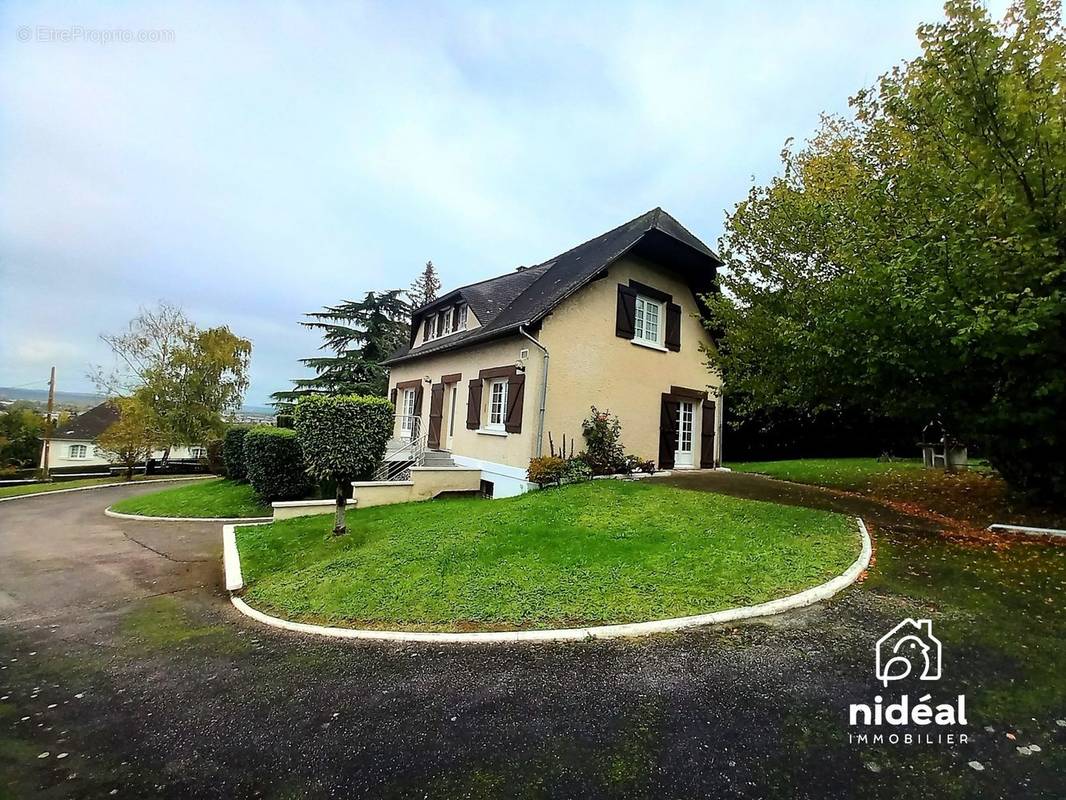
(443, 323)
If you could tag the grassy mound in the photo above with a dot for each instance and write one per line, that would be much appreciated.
(595, 553)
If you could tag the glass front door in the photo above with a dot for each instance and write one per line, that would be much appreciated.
(686, 420)
(454, 397)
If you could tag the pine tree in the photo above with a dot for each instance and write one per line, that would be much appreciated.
(360, 334)
(425, 287)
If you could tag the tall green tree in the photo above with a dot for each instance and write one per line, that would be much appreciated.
(21, 429)
(188, 378)
(425, 287)
(360, 334)
(911, 258)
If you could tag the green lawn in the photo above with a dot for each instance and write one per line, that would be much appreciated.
(42, 488)
(594, 553)
(840, 473)
(210, 498)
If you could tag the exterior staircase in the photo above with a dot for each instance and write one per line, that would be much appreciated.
(438, 459)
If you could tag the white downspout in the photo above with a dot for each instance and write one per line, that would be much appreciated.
(543, 392)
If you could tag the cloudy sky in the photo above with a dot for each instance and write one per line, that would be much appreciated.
(276, 157)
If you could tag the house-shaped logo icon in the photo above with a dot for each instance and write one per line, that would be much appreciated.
(908, 649)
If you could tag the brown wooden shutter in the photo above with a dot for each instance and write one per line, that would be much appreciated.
(392, 396)
(668, 431)
(473, 405)
(707, 432)
(436, 415)
(673, 327)
(626, 314)
(516, 389)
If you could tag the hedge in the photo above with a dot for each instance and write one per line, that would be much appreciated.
(275, 463)
(233, 453)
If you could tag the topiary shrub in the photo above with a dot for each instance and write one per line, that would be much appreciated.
(275, 463)
(343, 439)
(233, 452)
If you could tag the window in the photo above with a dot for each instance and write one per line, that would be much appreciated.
(427, 329)
(407, 418)
(446, 321)
(78, 451)
(197, 452)
(440, 325)
(497, 404)
(461, 324)
(647, 327)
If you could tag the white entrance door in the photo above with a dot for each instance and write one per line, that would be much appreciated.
(451, 415)
(407, 419)
(686, 419)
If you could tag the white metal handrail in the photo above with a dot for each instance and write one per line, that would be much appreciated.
(410, 453)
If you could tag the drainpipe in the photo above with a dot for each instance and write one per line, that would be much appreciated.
(543, 392)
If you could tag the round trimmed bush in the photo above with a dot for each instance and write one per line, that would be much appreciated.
(233, 453)
(275, 463)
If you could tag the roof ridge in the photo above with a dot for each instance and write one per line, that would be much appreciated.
(476, 283)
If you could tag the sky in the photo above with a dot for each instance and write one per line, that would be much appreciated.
(254, 161)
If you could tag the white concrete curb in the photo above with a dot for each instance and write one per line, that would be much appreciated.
(804, 598)
(1001, 527)
(108, 486)
(144, 518)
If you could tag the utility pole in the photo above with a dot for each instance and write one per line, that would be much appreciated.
(49, 424)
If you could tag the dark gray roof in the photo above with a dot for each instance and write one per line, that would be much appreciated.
(523, 298)
(89, 425)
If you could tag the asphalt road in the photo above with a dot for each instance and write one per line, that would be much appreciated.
(124, 672)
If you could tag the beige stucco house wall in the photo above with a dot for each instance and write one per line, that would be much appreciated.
(589, 365)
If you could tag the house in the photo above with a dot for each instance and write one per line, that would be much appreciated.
(496, 370)
(72, 445)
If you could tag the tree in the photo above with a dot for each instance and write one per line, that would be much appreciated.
(425, 287)
(911, 260)
(360, 334)
(343, 438)
(21, 429)
(132, 438)
(187, 377)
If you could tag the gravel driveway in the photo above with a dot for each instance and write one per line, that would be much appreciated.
(125, 673)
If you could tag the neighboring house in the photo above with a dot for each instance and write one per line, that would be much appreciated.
(494, 368)
(73, 443)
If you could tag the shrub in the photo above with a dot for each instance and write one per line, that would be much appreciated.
(576, 470)
(213, 457)
(275, 463)
(343, 438)
(545, 470)
(233, 452)
(603, 442)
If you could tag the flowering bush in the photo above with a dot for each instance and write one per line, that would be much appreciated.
(603, 442)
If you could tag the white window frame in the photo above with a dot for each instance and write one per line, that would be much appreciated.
(500, 413)
(447, 316)
(197, 452)
(462, 318)
(78, 451)
(642, 306)
(407, 417)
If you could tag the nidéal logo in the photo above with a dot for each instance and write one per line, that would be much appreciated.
(908, 651)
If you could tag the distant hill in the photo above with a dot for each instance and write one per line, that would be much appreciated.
(81, 400)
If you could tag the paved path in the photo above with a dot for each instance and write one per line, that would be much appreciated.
(118, 649)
